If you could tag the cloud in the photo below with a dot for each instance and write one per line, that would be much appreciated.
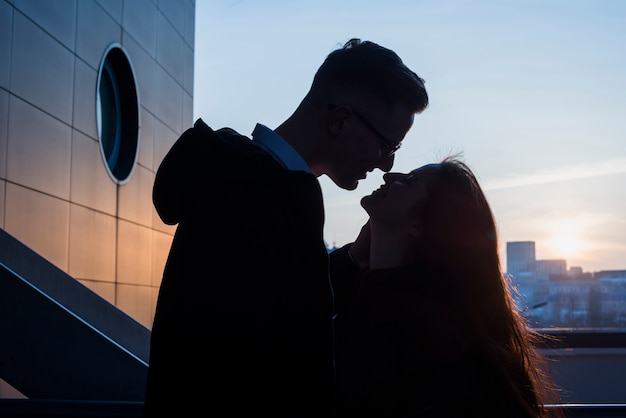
(564, 173)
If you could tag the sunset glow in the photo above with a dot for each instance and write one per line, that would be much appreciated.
(566, 244)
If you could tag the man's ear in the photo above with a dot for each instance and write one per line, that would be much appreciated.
(337, 119)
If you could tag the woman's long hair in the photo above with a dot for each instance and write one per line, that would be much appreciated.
(459, 232)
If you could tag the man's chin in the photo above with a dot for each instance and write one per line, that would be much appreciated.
(345, 183)
(349, 185)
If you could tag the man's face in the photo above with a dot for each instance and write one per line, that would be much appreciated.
(367, 138)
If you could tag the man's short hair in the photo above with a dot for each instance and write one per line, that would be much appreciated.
(368, 67)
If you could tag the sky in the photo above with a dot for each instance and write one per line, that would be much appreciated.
(532, 94)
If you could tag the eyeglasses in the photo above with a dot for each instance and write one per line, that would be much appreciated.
(388, 146)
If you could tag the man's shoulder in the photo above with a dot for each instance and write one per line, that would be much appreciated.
(201, 127)
(225, 145)
(221, 140)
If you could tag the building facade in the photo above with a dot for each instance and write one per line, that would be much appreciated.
(93, 93)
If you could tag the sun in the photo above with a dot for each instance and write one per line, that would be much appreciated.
(567, 244)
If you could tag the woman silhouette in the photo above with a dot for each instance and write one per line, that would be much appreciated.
(430, 328)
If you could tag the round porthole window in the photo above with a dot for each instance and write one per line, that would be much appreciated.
(117, 113)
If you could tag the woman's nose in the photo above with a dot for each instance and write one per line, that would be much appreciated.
(390, 177)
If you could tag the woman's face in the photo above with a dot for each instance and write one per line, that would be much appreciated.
(393, 204)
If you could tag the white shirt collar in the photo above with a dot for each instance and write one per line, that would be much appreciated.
(280, 149)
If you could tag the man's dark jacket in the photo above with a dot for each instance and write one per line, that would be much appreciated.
(243, 323)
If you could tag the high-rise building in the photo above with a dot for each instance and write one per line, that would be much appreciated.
(520, 257)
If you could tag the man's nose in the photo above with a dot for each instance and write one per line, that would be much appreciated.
(386, 163)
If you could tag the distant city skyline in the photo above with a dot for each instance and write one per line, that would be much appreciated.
(531, 93)
(537, 258)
